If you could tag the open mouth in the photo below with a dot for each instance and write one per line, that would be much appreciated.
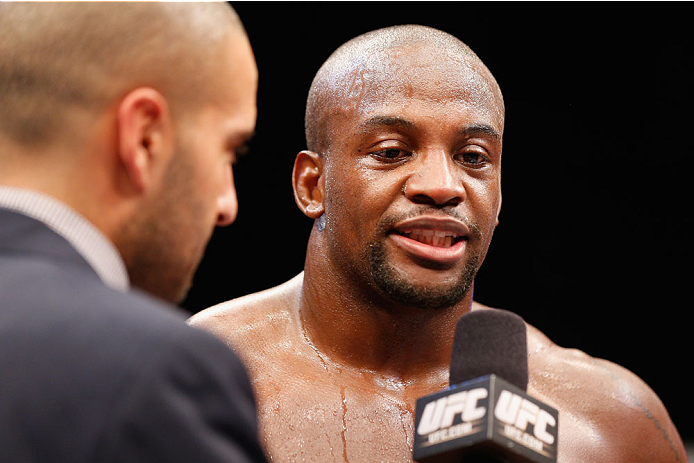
(436, 238)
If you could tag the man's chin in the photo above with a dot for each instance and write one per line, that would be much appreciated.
(410, 289)
(424, 298)
(169, 286)
(179, 296)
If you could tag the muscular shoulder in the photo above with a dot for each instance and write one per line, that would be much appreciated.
(607, 412)
(254, 322)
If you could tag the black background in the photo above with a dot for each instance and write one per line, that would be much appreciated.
(594, 243)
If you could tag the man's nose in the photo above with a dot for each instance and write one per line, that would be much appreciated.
(436, 181)
(227, 203)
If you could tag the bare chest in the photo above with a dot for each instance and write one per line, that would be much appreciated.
(326, 421)
(331, 421)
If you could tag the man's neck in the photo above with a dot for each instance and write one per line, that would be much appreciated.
(355, 325)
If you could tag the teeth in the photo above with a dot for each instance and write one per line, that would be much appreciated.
(438, 238)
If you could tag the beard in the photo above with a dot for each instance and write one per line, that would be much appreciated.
(164, 242)
(406, 292)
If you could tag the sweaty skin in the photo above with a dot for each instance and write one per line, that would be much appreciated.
(403, 178)
(313, 408)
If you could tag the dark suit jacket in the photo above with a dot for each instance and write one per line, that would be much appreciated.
(90, 374)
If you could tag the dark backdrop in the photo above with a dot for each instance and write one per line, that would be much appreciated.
(594, 243)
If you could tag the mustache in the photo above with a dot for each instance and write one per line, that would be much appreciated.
(387, 223)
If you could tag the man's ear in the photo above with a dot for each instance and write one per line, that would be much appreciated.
(307, 180)
(145, 137)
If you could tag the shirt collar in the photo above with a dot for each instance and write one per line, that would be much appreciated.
(92, 245)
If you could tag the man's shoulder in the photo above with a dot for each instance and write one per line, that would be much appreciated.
(81, 346)
(603, 406)
(262, 318)
(623, 417)
(68, 312)
(573, 375)
(76, 307)
(264, 329)
(606, 412)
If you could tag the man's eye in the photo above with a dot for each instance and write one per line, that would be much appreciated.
(242, 150)
(472, 158)
(391, 154)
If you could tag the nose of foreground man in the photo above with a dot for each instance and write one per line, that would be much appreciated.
(227, 203)
(435, 182)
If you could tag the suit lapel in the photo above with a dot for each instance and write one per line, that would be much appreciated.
(24, 235)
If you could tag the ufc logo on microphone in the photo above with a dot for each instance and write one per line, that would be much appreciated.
(441, 413)
(517, 411)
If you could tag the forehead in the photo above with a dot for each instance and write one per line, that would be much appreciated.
(236, 83)
(236, 69)
(416, 82)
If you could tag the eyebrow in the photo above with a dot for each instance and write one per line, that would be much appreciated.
(395, 121)
(387, 121)
(476, 129)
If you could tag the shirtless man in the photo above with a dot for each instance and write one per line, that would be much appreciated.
(402, 176)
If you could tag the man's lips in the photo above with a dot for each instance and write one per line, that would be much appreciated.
(432, 238)
(437, 238)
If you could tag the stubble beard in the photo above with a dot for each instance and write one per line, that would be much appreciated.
(385, 278)
(165, 243)
(409, 293)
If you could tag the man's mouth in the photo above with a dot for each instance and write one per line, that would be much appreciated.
(432, 239)
(436, 238)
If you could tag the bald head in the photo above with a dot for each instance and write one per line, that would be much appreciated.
(368, 67)
(57, 59)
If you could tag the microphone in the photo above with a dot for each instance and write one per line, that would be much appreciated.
(486, 415)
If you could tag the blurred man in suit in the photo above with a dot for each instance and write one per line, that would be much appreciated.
(119, 125)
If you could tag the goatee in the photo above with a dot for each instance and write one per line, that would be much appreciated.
(412, 294)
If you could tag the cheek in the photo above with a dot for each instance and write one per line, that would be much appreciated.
(339, 205)
(485, 201)
(348, 201)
